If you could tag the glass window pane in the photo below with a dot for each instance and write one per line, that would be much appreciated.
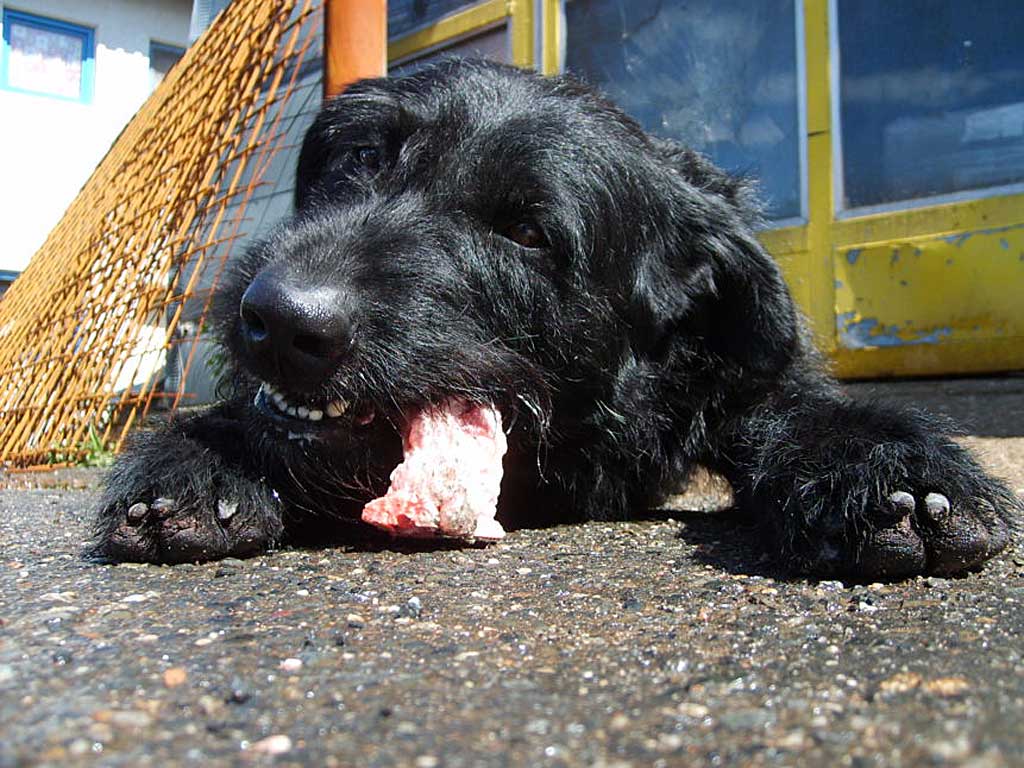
(718, 75)
(45, 60)
(161, 59)
(931, 97)
(405, 16)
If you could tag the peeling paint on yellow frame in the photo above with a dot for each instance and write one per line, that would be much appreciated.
(919, 291)
(962, 308)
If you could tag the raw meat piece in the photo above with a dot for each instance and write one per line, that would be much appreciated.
(448, 482)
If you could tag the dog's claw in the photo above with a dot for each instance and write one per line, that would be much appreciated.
(903, 504)
(163, 505)
(226, 509)
(937, 508)
(137, 513)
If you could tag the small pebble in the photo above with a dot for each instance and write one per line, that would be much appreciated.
(291, 665)
(900, 683)
(947, 687)
(278, 744)
(413, 607)
(140, 598)
(130, 719)
(238, 695)
(174, 677)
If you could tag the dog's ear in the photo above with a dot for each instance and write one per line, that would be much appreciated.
(707, 276)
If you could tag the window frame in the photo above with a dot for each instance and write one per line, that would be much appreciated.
(46, 23)
(468, 21)
(440, 47)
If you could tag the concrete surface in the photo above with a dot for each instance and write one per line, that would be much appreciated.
(662, 642)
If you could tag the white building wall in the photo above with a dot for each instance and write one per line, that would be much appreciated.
(49, 146)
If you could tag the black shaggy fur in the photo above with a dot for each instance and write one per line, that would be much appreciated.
(478, 231)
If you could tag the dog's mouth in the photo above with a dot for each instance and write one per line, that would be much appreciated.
(448, 481)
(273, 403)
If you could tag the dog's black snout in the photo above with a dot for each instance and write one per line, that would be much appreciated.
(293, 331)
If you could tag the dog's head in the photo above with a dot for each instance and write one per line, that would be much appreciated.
(480, 231)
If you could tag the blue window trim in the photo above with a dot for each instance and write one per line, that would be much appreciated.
(7, 276)
(87, 36)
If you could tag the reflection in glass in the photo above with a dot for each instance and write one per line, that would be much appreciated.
(718, 75)
(45, 60)
(491, 44)
(931, 97)
(405, 16)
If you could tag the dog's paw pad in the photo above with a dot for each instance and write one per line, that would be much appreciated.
(929, 535)
(960, 537)
(894, 549)
(169, 530)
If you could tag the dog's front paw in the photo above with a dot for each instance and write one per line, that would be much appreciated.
(145, 527)
(871, 491)
(927, 533)
(168, 500)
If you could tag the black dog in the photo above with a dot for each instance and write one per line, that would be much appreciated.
(476, 231)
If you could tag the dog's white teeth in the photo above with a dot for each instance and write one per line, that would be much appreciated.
(331, 410)
(336, 409)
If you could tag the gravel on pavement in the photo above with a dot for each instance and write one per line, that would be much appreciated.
(667, 641)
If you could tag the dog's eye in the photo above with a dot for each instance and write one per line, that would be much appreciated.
(368, 158)
(526, 234)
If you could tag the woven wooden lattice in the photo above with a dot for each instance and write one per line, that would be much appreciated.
(84, 331)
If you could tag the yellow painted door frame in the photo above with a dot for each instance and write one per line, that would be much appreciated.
(473, 19)
(921, 290)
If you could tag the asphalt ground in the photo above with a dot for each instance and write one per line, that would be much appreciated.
(668, 641)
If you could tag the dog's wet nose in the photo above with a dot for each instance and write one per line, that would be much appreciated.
(294, 331)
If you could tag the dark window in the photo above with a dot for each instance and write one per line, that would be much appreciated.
(161, 58)
(931, 98)
(721, 76)
(405, 16)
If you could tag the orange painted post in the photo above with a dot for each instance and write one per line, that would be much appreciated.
(355, 42)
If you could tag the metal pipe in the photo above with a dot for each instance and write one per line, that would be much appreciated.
(355, 42)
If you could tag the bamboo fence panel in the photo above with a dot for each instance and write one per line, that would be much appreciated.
(85, 329)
